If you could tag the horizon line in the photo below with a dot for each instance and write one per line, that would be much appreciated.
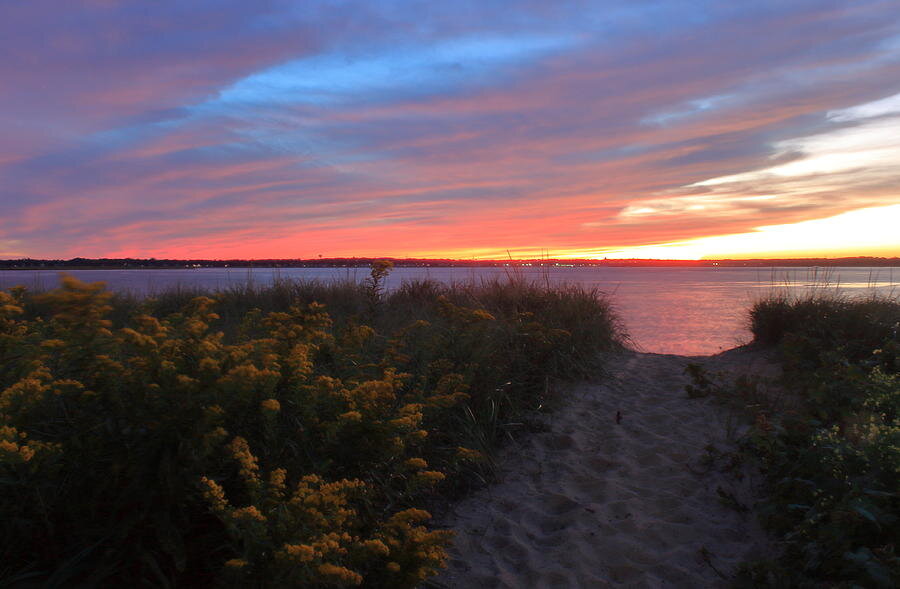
(443, 259)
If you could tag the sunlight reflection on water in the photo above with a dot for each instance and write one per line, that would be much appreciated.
(665, 310)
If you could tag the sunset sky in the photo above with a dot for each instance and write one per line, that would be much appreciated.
(239, 129)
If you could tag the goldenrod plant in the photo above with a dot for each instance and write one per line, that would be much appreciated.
(289, 437)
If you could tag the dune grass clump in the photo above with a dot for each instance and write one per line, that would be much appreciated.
(855, 326)
(283, 436)
(833, 464)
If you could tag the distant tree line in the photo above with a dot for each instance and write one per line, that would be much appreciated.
(154, 263)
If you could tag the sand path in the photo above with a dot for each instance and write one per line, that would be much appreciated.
(596, 503)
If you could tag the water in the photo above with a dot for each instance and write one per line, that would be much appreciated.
(665, 310)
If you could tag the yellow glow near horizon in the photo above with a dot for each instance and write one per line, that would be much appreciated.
(873, 231)
(865, 232)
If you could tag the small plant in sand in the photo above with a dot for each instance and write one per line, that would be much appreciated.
(701, 385)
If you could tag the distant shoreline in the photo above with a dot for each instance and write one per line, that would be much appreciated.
(173, 264)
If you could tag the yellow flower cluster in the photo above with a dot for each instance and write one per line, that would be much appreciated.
(463, 315)
(340, 574)
(240, 450)
(11, 451)
(407, 422)
(310, 527)
(277, 485)
(215, 495)
(482, 315)
(261, 388)
(409, 516)
(80, 307)
(430, 477)
(424, 549)
(298, 552)
(9, 306)
(350, 416)
(270, 405)
(248, 513)
(322, 504)
(299, 325)
(377, 547)
(416, 463)
(449, 400)
(27, 393)
(372, 395)
(468, 454)
(246, 380)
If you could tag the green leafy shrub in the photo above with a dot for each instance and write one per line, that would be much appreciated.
(833, 468)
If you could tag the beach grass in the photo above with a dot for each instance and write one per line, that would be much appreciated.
(273, 436)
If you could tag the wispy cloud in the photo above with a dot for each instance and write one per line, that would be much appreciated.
(387, 72)
(849, 166)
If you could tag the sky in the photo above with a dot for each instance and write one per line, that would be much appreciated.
(294, 129)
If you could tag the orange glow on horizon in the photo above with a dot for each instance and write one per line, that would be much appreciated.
(864, 232)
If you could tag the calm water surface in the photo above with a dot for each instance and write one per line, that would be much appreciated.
(666, 310)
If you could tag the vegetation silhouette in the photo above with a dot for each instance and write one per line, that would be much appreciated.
(278, 436)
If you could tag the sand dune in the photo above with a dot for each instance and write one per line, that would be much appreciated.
(595, 503)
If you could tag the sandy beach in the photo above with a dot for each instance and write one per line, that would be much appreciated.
(618, 492)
